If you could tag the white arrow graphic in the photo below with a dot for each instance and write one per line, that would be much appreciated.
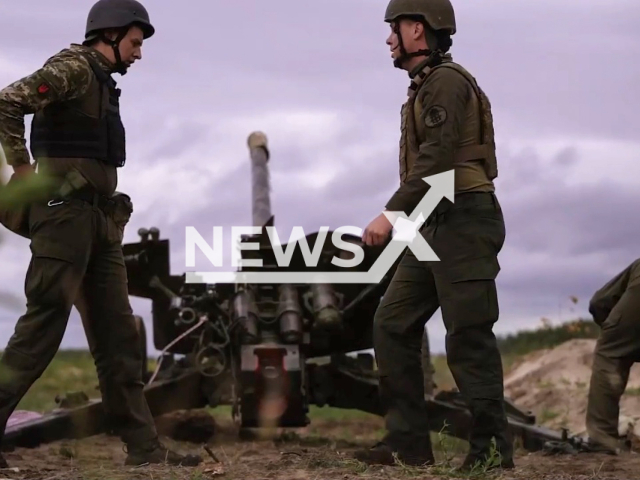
(442, 186)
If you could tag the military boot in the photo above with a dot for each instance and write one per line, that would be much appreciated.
(3, 462)
(157, 453)
(489, 424)
(417, 453)
(609, 445)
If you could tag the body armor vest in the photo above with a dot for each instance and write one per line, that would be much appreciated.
(86, 127)
(475, 157)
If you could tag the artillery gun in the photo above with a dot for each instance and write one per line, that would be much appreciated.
(270, 350)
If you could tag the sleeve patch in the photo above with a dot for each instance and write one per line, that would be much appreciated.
(43, 88)
(435, 116)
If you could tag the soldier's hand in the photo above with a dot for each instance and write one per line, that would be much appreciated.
(378, 231)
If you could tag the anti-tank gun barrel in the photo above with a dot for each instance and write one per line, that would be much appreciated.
(260, 182)
(272, 360)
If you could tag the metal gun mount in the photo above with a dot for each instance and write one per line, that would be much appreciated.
(268, 350)
(250, 342)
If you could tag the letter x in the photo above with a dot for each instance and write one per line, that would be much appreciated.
(407, 231)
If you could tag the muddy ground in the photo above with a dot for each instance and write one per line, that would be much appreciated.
(552, 383)
(321, 451)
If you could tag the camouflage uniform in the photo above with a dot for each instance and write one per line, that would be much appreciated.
(616, 308)
(446, 124)
(77, 258)
(65, 77)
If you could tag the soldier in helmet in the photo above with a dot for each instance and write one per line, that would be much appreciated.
(446, 125)
(76, 233)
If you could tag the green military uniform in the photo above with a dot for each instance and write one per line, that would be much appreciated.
(616, 308)
(76, 240)
(428, 370)
(446, 124)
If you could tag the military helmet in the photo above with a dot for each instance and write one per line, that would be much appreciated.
(117, 14)
(438, 14)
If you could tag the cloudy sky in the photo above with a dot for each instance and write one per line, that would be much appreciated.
(317, 77)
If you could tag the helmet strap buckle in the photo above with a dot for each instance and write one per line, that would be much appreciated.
(120, 67)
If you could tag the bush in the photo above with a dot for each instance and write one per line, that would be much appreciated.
(527, 341)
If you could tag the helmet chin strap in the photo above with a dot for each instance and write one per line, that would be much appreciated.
(120, 66)
(404, 55)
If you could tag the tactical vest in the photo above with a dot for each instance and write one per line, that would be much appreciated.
(86, 127)
(475, 163)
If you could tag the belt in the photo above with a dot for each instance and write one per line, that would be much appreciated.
(474, 198)
(462, 200)
(94, 198)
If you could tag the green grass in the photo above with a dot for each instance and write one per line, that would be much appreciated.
(442, 376)
(69, 371)
(73, 370)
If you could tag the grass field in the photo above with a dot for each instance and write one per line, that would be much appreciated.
(319, 451)
(73, 371)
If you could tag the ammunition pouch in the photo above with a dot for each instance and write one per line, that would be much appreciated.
(117, 206)
(122, 208)
(120, 211)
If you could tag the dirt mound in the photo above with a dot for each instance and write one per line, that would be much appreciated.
(554, 385)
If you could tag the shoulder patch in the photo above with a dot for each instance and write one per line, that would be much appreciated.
(43, 88)
(435, 116)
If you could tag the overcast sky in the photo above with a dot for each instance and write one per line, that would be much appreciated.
(317, 77)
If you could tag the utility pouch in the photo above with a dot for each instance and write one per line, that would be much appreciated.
(122, 209)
